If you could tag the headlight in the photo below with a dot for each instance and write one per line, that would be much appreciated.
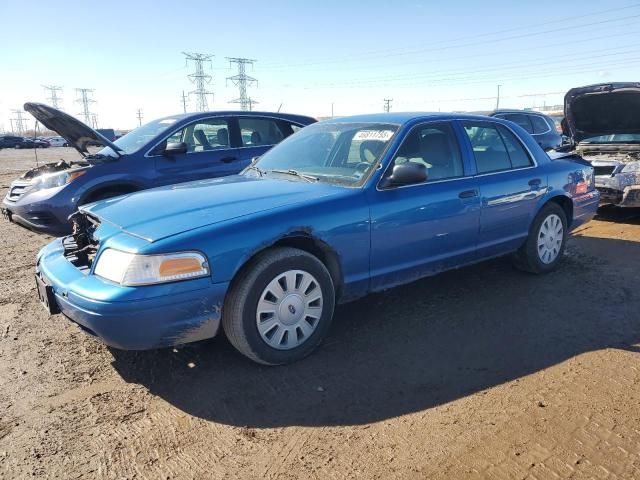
(132, 269)
(631, 167)
(55, 180)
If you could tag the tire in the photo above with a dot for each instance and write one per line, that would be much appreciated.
(544, 247)
(250, 296)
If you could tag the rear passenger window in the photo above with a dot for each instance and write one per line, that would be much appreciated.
(264, 131)
(539, 125)
(520, 119)
(436, 147)
(517, 153)
(496, 148)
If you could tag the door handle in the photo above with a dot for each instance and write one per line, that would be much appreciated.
(535, 182)
(468, 194)
(228, 159)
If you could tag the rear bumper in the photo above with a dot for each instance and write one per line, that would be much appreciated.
(584, 208)
(133, 318)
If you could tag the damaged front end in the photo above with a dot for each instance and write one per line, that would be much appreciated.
(617, 172)
(80, 247)
(45, 176)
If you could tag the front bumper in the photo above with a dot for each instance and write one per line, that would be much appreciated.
(621, 189)
(38, 216)
(133, 318)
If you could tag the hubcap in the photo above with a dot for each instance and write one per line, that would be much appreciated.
(289, 309)
(550, 238)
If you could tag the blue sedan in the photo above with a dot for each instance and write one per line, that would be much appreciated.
(169, 150)
(338, 210)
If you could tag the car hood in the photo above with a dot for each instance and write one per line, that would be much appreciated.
(76, 133)
(166, 211)
(603, 109)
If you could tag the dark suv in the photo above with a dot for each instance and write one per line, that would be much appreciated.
(10, 141)
(541, 127)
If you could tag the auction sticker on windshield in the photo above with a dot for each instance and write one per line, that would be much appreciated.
(382, 135)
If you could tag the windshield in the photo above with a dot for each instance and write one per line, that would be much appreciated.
(138, 138)
(337, 153)
(614, 138)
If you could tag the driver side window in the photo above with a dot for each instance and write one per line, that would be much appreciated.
(435, 146)
(203, 135)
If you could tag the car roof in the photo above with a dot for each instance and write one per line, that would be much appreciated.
(242, 113)
(515, 110)
(405, 117)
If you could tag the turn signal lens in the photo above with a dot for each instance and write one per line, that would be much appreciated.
(179, 266)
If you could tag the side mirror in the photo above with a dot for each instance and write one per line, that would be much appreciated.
(407, 173)
(175, 148)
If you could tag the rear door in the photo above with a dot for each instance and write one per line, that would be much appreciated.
(210, 152)
(510, 183)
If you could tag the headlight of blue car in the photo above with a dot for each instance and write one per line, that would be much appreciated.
(54, 180)
(131, 269)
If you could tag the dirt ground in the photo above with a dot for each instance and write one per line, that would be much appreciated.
(483, 372)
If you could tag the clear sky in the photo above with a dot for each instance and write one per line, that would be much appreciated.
(425, 55)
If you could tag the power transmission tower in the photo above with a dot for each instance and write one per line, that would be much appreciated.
(242, 81)
(184, 102)
(139, 115)
(18, 123)
(53, 95)
(85, 100)
(387, 104)
(200, 79)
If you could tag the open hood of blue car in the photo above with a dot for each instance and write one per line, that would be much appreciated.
(76, 133)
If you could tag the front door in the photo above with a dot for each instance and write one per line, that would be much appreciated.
(421, 229)
(210, 153)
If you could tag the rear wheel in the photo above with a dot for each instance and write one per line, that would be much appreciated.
(280, 307)
(545, 245)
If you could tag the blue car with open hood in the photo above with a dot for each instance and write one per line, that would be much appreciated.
(340, 209)
(173, 149)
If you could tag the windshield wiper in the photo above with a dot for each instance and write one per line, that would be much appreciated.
(295, 173)
(261, 172)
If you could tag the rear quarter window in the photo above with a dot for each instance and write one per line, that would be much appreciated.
(539, 124)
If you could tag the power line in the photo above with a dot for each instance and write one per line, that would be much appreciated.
(53, 95)
(376, 54)
(85, 100)
(387, 104)
(200, 79)
(242, 81)
(18, 124)
(139, 116)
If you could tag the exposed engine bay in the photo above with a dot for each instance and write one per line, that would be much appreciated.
(52, 168)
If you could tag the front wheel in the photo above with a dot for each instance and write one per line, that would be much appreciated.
(543, 250)
(280, 307)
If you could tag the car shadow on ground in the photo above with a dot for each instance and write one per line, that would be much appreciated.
(414, 347)
(611, 213)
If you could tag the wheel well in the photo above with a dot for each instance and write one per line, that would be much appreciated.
(567, 206)
(315, 247)
(111, 189)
